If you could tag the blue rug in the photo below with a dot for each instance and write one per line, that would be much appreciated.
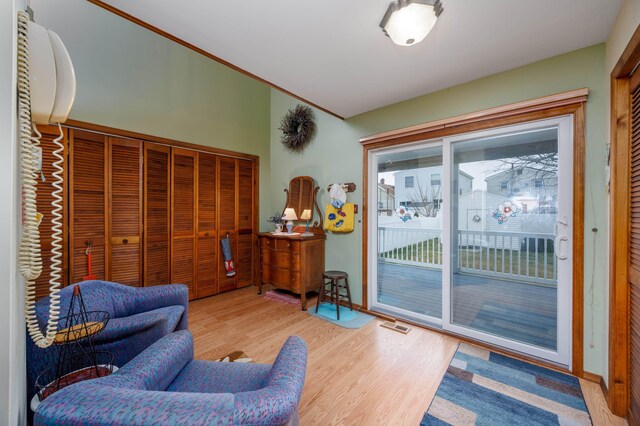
(481, 387)
(348, 318)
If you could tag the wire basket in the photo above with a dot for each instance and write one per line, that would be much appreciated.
(80, 326)
(77, 369)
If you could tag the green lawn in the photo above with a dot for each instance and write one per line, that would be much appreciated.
(486, 259)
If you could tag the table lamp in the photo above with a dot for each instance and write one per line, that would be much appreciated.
(306, 215)
(289, 215)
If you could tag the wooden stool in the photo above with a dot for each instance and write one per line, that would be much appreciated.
(335, 295)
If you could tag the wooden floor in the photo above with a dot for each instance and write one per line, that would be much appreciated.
(366, 376)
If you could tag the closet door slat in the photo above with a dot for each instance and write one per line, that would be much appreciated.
(183, 218)
(227, 225)
(246, 240)
(207, 229)
(157, 209)
(87, 204)
(125, 212)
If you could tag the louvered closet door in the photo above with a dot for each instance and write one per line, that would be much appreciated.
(87, 203)
(45, 191)
(125, 207)
(634, 261)
(227, 208)
(183, 218)
(157, 208)
(207, 235)
(246, 244)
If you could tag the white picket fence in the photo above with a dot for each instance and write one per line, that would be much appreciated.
(522, 256)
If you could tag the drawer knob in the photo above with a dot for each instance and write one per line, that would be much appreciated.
(206, 234)
(288, 244)
(125, 241)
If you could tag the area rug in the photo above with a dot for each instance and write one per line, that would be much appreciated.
(236, 356)
(348, 318)
(481, 387)
(280, 296)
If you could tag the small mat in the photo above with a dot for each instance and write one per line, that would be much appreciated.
(236, 356)
(348, 318)
(481, 387)
(281, 296)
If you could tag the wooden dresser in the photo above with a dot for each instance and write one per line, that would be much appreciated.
(292, 263)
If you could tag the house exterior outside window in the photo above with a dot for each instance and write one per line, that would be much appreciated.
(408, 181)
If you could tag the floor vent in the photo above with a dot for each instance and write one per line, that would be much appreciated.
(396, 327)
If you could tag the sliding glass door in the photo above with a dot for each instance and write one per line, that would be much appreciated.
(408, 215)
(473, 233)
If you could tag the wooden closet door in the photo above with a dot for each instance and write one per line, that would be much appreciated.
(246, 243)
(45, 198)
(157, 208)
(207, 235)
(634, 263)
(124, 224)
(183, 218)
(227, 208)
(88, 203)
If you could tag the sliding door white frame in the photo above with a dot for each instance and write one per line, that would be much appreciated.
(372, 298)
(562, 356)
(564, 124)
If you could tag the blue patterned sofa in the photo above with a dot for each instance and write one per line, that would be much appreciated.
(138, 318)
(165, 386)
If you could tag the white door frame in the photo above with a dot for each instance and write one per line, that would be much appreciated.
(372, 272)
(564, 124)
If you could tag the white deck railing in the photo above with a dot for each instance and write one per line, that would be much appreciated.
(522, 256)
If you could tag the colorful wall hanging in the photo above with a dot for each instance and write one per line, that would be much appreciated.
(505, 211)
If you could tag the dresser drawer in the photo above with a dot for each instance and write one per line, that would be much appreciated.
(287, 245)
(280, 277)
(280, 259)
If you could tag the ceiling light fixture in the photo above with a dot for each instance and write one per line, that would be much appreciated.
(407, 22)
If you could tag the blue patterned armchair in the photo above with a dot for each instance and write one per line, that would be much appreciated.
(138, 318)
(165, 386)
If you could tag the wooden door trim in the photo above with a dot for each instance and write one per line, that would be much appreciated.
(622, 80)
(532, 105)
(569, 103)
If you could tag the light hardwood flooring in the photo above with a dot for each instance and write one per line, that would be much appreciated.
(366, 376)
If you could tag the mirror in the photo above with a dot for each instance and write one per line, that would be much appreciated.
(301, 196)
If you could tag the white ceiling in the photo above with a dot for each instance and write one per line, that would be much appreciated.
(333, 53)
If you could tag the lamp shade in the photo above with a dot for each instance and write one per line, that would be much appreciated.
(306, 214)
(289, 214)
(407, 22)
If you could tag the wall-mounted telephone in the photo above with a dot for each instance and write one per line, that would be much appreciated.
(46, 90)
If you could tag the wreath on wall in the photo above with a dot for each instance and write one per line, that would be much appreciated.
(298, 127)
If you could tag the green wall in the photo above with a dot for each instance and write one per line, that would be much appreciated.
(130, 78)
(336, 156)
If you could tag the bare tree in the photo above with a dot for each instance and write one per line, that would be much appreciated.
(423, 200)
(542, 165)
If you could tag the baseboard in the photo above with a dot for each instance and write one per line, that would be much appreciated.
(597, 379)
